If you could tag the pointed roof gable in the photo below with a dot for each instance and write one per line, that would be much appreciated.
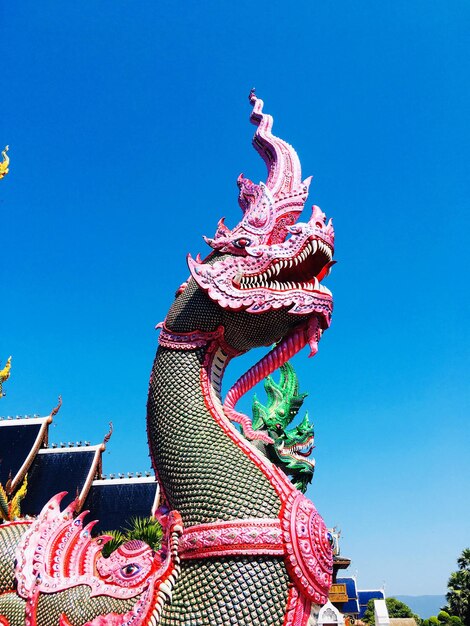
(20, 441)
(61, 469)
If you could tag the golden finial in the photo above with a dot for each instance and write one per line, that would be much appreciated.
(10, 506)
(5, 163)
(5, 374)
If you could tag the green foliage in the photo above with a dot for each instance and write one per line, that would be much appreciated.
(146, 529)
(443, 619)
(118, 538)
(395, 608)
(369, 615)
(458, 594)
(455, 613)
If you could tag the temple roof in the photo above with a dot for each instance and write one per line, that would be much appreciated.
(114, 501)
(20, 440)
(366, 595)
(351, 607)
(75, 469)
(61, 469)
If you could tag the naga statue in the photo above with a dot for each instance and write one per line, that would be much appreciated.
(241, 544)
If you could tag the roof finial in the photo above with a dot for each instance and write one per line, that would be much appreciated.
(5, 163)
(108, 435)
(57, 408)
(5, 375)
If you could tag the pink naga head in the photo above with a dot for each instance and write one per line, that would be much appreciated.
(269, 260)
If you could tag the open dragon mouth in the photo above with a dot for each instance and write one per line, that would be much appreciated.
(303, 271)
(299, 451)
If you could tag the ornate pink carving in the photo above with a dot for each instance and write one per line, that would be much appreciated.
(236, 537)
(58, 553)
(309, 553)
(186, 341)
(298, 609)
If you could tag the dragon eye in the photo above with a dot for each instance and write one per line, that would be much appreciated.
(130, 570)
(243, 242)
(279, 426)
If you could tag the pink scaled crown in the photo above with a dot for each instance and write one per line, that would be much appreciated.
(269, 259)
(270, 208)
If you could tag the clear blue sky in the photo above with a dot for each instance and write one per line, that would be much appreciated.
(128, 125)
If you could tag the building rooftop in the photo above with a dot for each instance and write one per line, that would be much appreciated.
(20, 441)
(114, 501)
(74, 468)
(61, 469)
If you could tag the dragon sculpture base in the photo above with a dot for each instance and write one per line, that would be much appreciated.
(242, 545)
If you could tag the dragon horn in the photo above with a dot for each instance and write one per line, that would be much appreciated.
(284, 172)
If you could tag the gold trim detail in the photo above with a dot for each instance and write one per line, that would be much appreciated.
(4, 165)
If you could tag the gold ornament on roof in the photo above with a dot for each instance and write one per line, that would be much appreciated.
(5, 375)
(10, 506)
(5, 163)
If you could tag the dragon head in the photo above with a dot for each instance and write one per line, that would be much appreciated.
(129, 565)
(262, 282)
(291, 447)
(269, 260)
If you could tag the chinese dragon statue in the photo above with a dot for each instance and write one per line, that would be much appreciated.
(242, 545)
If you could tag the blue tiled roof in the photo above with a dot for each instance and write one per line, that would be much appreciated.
(365, 596)
(114, 503)
(51, 473)
(351, 588)
(351, 607)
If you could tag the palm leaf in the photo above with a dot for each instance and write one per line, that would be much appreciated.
(146, 529)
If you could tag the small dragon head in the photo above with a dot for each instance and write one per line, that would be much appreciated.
(291, 447)
(128, 566)
(269, 261)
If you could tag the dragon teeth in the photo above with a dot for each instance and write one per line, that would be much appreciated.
(263, 280)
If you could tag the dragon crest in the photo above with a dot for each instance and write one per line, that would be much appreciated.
(269, 259)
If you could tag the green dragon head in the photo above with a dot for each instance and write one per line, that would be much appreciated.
(292, 446)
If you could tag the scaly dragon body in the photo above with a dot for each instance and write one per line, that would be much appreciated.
(253, 550)
(257, 288)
